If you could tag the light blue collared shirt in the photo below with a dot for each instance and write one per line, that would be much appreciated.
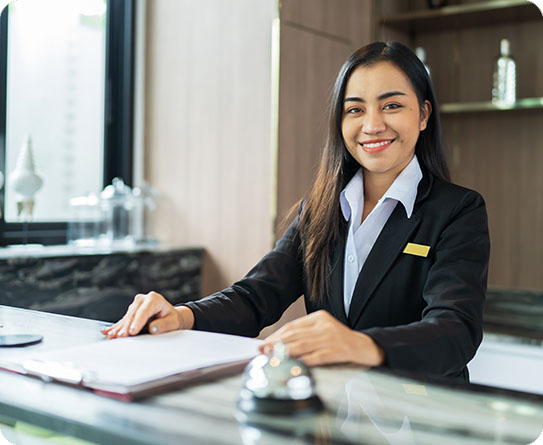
(362, 237)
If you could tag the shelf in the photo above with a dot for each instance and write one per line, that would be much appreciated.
(471, 107)
(458, 16)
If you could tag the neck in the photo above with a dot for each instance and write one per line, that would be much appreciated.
(375, 186)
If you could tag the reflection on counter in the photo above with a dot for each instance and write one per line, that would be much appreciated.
(382, 408)
(405, 411)
(97, 284)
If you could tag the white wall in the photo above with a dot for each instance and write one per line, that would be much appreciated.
(508, 364)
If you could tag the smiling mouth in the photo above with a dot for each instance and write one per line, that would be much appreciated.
(376, 146)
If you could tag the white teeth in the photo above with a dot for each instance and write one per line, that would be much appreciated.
(377, 144)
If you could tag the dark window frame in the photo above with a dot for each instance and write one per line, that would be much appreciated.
(118, 118)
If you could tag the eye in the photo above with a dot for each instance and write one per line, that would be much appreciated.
(392, 106)
(353, 110)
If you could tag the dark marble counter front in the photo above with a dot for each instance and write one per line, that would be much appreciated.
(97, 284)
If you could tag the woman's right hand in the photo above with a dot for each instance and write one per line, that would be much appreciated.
(145, 307)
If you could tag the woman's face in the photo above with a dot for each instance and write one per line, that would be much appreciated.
(382, 119)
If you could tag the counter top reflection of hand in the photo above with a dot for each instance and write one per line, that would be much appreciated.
(145, 307)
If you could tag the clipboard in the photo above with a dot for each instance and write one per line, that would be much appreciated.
(132, 368)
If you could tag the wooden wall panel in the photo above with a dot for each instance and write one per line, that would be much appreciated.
(498, 154)
(208, 130)
(445, 62)
(349, 20)
(309, 65)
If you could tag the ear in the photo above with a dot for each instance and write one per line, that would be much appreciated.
(425, 112)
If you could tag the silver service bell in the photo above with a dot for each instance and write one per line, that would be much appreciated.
(278, 384)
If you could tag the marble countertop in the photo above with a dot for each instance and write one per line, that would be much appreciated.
(361, 406)
(41, 251)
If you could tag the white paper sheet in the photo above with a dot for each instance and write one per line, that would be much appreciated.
(137, 360)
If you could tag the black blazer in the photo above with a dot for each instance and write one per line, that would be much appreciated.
(425, 312)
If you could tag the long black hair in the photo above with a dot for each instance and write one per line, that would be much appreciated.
(321, 224)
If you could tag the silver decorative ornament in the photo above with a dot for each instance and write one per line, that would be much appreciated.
(25, 180)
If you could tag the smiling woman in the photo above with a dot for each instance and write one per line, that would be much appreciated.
(391, 257)
(381, 126)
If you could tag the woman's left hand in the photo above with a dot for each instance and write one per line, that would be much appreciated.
(319, 339)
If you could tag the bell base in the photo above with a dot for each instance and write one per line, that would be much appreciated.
(274, 406)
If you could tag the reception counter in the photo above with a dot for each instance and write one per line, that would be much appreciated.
(361, 406)
(96, 283)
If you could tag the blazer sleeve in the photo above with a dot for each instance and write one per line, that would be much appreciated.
(450, 331)
(260, 298)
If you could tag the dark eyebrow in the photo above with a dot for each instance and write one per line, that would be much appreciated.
(380, 97)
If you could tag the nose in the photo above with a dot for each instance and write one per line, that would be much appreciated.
(373, 122)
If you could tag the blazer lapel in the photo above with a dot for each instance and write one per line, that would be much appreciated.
(387, 247)
(336, 283)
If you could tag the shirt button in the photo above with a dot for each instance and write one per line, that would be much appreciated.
(350, 258)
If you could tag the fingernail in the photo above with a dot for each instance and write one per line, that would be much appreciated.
(121, 333)
(154, 328)
(132, 328)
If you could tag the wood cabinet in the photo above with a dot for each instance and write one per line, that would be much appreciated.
(497, 151)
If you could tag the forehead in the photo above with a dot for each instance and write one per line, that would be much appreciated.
(368, 81)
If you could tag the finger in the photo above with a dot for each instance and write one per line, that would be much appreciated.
(310, 319)
(153, 306)
(141, 319)
(116, 327)
(302, 347)
(297, 342)
(287, 331)
(106, 329)
(265, 348)
(316, 358)
(114, 333)
(165, 324)
(132, 314)
(295, 328)
(111, 331)
(292, 333)
(120, 329)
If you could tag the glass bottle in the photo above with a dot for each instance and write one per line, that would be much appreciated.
(116, 201)
(145, 202)
(421, 54)
(504, 85)
(86, 220)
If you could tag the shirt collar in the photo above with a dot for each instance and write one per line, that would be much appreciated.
(352, 194)
(403, 189)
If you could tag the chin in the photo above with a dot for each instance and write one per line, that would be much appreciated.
(376, 166)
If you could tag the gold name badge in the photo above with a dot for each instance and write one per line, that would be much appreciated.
(417, 249)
